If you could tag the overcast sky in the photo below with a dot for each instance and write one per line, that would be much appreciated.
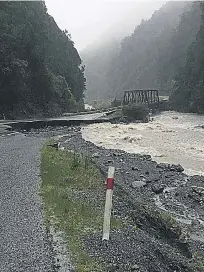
(88, 20)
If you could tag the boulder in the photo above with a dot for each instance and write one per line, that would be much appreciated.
(109, 161)
(135, 267)
(147, 157)
(158, 189)
(162, 165)
(135, 169)
(95, 155)
(176, 168)
(138, 184)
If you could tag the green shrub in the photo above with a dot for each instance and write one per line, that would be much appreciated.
(136, 111)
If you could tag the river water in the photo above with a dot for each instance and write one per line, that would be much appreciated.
(171, 137)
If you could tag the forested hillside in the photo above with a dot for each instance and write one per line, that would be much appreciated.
(98, 56)
(152, 55)
(188, 91)
(164, 52)
(41, 72)
(40, 69)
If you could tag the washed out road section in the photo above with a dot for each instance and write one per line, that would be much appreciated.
(24, 245)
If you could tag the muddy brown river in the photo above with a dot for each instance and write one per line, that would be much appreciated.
(171, 137)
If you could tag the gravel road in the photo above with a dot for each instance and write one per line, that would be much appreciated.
(24, 245)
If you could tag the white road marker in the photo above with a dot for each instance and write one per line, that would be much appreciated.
(108, 205)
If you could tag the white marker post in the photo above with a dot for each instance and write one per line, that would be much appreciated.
(108, 205)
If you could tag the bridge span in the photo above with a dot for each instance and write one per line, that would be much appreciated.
(141, 97)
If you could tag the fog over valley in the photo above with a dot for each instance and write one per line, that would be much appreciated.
(99, 20)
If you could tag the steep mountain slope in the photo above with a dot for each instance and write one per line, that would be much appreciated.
(151, 56)
(188, 94)
(97, 56)
(40, 70)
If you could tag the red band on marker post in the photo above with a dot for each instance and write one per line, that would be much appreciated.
(110, 183)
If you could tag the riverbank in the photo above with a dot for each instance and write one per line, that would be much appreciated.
(148, 189)
(162, 205)
(171, 137)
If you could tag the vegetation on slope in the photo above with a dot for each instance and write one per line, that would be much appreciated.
(40, 69)
(98, 56)
(151, 56)
(188, 94)
(165, 53)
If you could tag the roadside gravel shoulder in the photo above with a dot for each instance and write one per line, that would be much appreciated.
(24, 243)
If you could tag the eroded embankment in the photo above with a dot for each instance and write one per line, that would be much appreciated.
(162, 209)
(158, 240)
